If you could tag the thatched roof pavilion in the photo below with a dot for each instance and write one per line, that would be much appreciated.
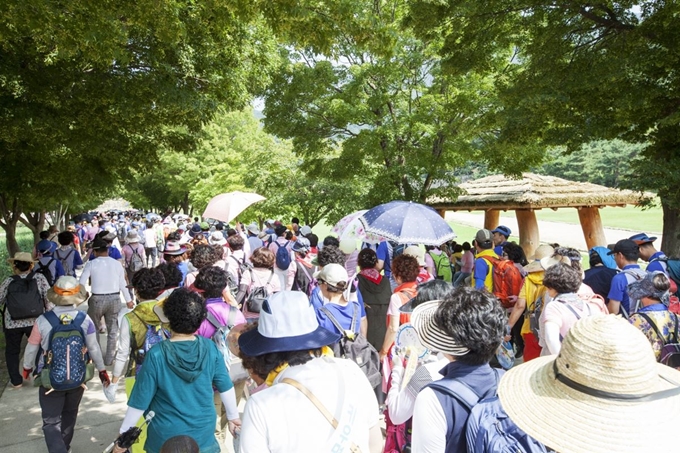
(531, 192)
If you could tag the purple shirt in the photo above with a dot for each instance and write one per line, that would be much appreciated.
(220, 310)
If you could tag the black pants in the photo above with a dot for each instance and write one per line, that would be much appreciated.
(59, 414)
(13, 339)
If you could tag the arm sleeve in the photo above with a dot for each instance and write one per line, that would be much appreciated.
(92, 344)
(123, 352)
(229, 400)
(32, 347)
(221, 379)
(132, 416)
(84, 277)
(429, 424)
(123, 284)
(551, 334)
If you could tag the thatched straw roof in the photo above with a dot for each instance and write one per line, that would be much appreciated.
(534, 192)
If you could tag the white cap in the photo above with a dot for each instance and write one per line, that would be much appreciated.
(417, 253)
(332, 274)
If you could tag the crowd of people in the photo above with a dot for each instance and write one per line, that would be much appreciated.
(324, 338)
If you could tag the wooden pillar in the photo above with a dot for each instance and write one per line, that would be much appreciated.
(442, 213)
(492, 218)
(528, 230)
(591, 223)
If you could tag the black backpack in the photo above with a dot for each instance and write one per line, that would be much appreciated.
(355, 347)
(44, 269)
(257, 295)
(23, 298)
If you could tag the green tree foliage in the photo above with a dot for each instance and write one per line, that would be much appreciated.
(362, 98)
(90, 89)
(583, 71)
(605, 162)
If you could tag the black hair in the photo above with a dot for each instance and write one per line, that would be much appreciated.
(515, 253)
(212, 280)
(458, 248)
(44, 234)
(367, 259)
(235, 242)
(631, 255)
(22, 266)
(174, 236)
(180, 444)
(473, 319)
(436, 289)
(466, 246)
(573, 255)
(203, 255)
(65, 238)
(594, 258)
(330, 254)
(313, 239)
(280, 230)
(231, 232)
(185, 310)
(149, 224)
(562, 278)
(289, 235)
(295, 220)
(264, 364)
(148, 282)
(172, 275)
(331, 240)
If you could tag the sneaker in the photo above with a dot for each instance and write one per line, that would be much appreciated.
(18, 386)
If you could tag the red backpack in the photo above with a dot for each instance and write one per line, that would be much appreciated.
(507, 280)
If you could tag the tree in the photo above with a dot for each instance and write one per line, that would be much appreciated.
(94, 89)
(605, 162)
(582, 72)
(362, 98)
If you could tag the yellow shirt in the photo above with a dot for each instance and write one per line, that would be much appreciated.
(488, 280)
(531, 290)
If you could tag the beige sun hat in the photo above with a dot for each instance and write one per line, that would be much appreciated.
(417, 253)
(22, 256)
(588, 398)
(543, 251)
(67, 291)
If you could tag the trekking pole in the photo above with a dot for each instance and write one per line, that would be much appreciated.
(130, 436)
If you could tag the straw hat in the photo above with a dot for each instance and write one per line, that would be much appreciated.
(22, 256)
(543, 251)
(602, 354)
(430, 334)
(132, 237)
(67, 291)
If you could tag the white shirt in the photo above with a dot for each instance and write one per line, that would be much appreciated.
(150, 238)
(281, 419)
(429, 424)
(108, 276)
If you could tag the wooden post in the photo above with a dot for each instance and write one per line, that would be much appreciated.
(591, 223)
(442, 213)
(492, 217)
(528, 230)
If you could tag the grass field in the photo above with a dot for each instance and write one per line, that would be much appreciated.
(629, 218)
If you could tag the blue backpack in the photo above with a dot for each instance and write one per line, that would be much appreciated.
(282, 256)
(488, 428)
(66, 358)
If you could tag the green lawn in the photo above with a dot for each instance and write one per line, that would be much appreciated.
(630, 218)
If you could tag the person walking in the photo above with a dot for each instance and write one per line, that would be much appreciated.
(16, 323)
(150, 246)
(60, 407)
(108, 282)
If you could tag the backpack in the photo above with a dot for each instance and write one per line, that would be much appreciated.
(122, 233)
(242, 267)
(23, 298)
(507, 280)
(44, 269)
(136, 262)
(66, 359)
(66, 262)
(282, 256)
(670, 351)
(234, 366)
(154, 335)
(534, 313)
(488, 428)
(396, 249)
(311, 286)
(258, 295)
(442, 266)
(635, 275)
(355, 347)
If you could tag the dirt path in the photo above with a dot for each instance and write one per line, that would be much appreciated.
(563, 233)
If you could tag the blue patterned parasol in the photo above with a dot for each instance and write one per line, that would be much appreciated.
(407, 223)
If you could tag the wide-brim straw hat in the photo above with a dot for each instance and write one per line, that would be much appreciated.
(610, 356)
(22, 256)
(542, 251)
(430, 334)
(67, 291)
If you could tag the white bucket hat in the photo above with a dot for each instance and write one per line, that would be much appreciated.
(603, 393)
(417, 253)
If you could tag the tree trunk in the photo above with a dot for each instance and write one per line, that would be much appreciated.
(9, 217)
(185, 204)
(35, 221)
(671, 229)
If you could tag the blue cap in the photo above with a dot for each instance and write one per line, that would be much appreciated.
(502, 229)
(642, 238)
(46, 246)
